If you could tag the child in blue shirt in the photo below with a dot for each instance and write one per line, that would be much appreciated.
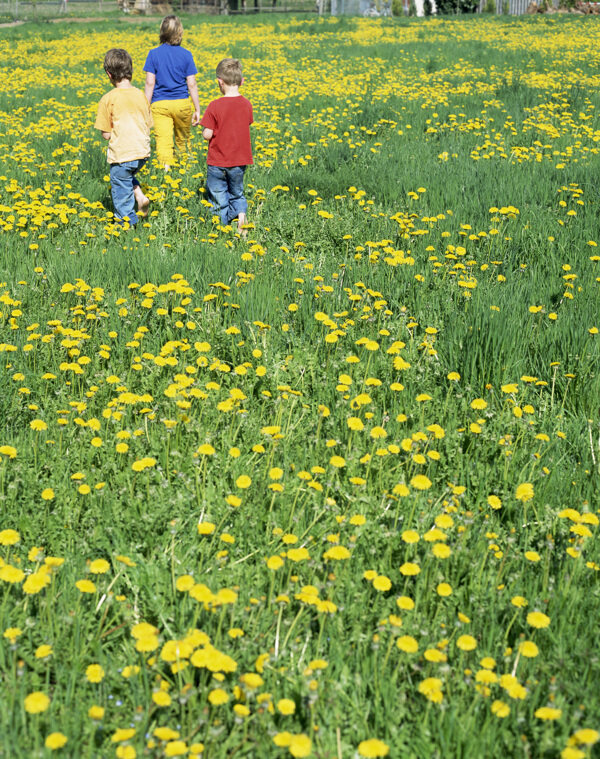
(170, 83)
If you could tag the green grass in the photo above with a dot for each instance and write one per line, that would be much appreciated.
(382, 368)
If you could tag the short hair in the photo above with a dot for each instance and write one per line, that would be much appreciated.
(230, 71)
(171, 31)
(118, 63)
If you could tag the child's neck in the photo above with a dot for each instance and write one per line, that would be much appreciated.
(231, 90)
(124, 84)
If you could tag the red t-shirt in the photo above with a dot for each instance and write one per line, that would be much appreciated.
(230, 119)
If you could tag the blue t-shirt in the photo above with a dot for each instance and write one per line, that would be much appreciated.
(171, 64)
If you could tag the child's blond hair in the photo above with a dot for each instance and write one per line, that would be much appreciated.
(171, 31)
(230, 71)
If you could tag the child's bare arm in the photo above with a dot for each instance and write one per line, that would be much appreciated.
(149, 85)
(207, 133)
(193, 90)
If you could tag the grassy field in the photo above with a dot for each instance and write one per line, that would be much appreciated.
(330, 490)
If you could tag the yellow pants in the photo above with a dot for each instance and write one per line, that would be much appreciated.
(171, 117)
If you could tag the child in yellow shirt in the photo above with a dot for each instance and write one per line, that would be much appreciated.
(124, 119)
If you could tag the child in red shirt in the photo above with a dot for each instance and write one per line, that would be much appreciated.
(226, 125)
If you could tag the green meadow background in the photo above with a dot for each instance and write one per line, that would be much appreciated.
(328, 489)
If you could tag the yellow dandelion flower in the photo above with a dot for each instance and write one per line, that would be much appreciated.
(99, 566)
(298, 554)
(420, 482)
(538, 619)
(528, 649)
(336, 553)
(94, 673)
(206, 528)
(176, 748)
(206, 450)
(36, 702)
(300, 746)
(185, 583)
(122, 734)
(586, 736)
(409, 569)
(382, 583)
(524, 492)
(12, 633)
(441, 550)
(218, 696)
(408, 644)
(466, 643)
(161, 698)
(518, 601)
(252, 680)
(570, 752)
(9, 537)
(372, 748)
(85, 586)
(500, 709)
(431, 688)
(274, 563)
(55, 741)
(243, 482)
(405, 603)
(494, 502)
(410, 536)
(548, 713)
(286, 706)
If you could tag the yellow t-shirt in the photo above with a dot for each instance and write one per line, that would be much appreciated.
(125, 113)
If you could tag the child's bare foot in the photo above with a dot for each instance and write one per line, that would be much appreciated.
(142, 208)
(142, 201)
(241, 222)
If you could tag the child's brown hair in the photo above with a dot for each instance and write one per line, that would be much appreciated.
(118, 64)
(230, 71)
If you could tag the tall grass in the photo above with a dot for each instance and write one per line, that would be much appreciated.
(354, 449)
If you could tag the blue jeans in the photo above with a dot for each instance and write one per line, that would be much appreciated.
(122, 182)
(225, 189)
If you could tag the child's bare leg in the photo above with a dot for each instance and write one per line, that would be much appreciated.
(142, 200)
(241, 221)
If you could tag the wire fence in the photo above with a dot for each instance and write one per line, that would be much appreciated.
(24, 10)
(31, 9)
(512, 7)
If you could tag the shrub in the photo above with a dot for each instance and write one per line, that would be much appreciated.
(447, 7)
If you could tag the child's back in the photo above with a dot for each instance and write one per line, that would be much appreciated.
(126, 112)
(124, 119)
(226, 125)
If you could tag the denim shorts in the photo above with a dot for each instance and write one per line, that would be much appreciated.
(122, 182)
(225, 190)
